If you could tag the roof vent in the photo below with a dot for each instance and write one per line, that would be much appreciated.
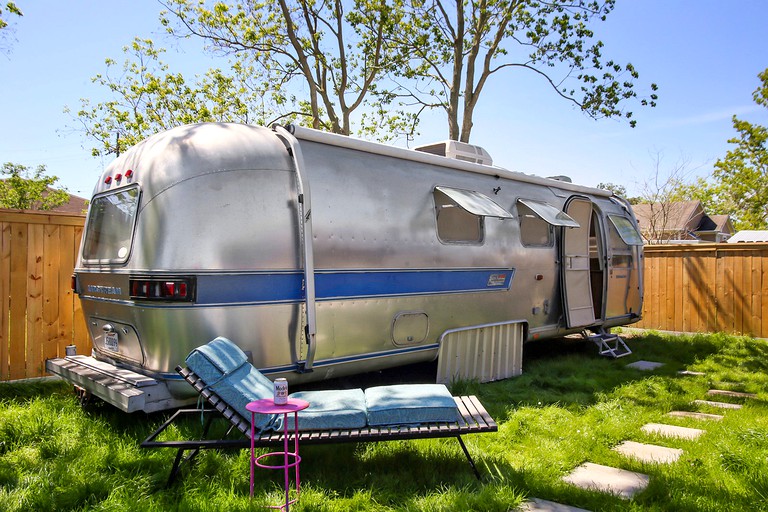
(561, 177)
(459, 151)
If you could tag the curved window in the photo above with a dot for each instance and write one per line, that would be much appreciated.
(626, 230)
(109, 233)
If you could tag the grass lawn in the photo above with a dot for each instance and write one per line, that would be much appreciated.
(569, 407)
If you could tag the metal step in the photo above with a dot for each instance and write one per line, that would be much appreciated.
(128, 391)
(609, 345)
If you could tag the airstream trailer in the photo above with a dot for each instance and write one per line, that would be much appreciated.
(323, 255)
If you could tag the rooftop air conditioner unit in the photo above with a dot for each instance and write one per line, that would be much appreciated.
(459, 151)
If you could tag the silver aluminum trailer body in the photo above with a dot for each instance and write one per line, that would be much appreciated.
(322, 255)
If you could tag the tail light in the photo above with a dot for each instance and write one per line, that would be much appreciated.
(168, 289)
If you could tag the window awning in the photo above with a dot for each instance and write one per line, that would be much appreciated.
(549, 213)
(475, 202)
(627, 230)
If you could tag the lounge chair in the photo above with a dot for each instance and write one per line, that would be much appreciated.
(221, 374)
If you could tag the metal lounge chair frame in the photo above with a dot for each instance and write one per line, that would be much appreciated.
(474, 419)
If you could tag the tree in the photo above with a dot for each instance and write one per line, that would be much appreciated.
(337, 52)
(10, 8)
(148, 98)
(27, 189)
(619, 190)
(742, 175)
(660, 202)
(454, 47)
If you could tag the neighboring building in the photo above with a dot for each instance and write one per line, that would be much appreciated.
(75, 204)
(749, 235)
(684, 221)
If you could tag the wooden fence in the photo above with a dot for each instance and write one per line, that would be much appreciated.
(691, 288)
(40, 313)
(707, 288)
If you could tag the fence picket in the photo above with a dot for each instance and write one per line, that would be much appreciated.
(38, 306)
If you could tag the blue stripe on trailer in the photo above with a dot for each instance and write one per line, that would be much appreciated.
(286, 287)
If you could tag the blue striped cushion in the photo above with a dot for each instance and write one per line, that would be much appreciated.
(224, 368)
(409, 404)
(331, 409)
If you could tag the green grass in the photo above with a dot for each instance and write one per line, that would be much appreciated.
(570, 406)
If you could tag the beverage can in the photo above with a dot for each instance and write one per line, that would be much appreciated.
(281, 391)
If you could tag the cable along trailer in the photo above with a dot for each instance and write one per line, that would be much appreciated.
(392, 257)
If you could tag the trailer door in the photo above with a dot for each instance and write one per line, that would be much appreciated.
(577, 287)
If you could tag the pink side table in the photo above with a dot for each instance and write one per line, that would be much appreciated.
(291, 459)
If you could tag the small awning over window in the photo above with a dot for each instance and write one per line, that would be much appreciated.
(627, 230)
(549, 213)
(475, 202)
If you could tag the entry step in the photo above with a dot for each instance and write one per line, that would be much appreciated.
(609, 345)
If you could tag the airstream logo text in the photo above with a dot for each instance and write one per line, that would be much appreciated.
(107, 290)
(497, 280)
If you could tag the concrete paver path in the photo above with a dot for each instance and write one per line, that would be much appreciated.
(732, 394)
(695, 415)
(649, 452)
(719, 405)
(538, 505)
(619, 482)
(672, 431)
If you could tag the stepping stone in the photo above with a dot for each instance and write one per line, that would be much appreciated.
(538, 505)
(649, 452)
(695, 415)
(732, 394)
(690, 373)
(645, 365)
(672, 431)
(720, 405)
(618, 482)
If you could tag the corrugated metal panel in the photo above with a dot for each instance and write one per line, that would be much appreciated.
(486, 353)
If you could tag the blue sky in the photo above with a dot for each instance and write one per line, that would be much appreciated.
(704, 55)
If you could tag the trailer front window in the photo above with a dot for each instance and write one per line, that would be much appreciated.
(626, 230)
(110, 226)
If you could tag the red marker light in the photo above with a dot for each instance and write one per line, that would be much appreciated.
(108, 180)
(128, 174)
(118, 177)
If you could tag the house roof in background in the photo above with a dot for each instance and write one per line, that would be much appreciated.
(723, 223)
(749, 235)
(76, 204)
(675, 216)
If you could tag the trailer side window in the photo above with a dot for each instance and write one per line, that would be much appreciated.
(534, 231)
(461, 214)
(455, 224)
(110, 226)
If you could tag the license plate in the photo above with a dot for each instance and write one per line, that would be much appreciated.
(110, 342)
